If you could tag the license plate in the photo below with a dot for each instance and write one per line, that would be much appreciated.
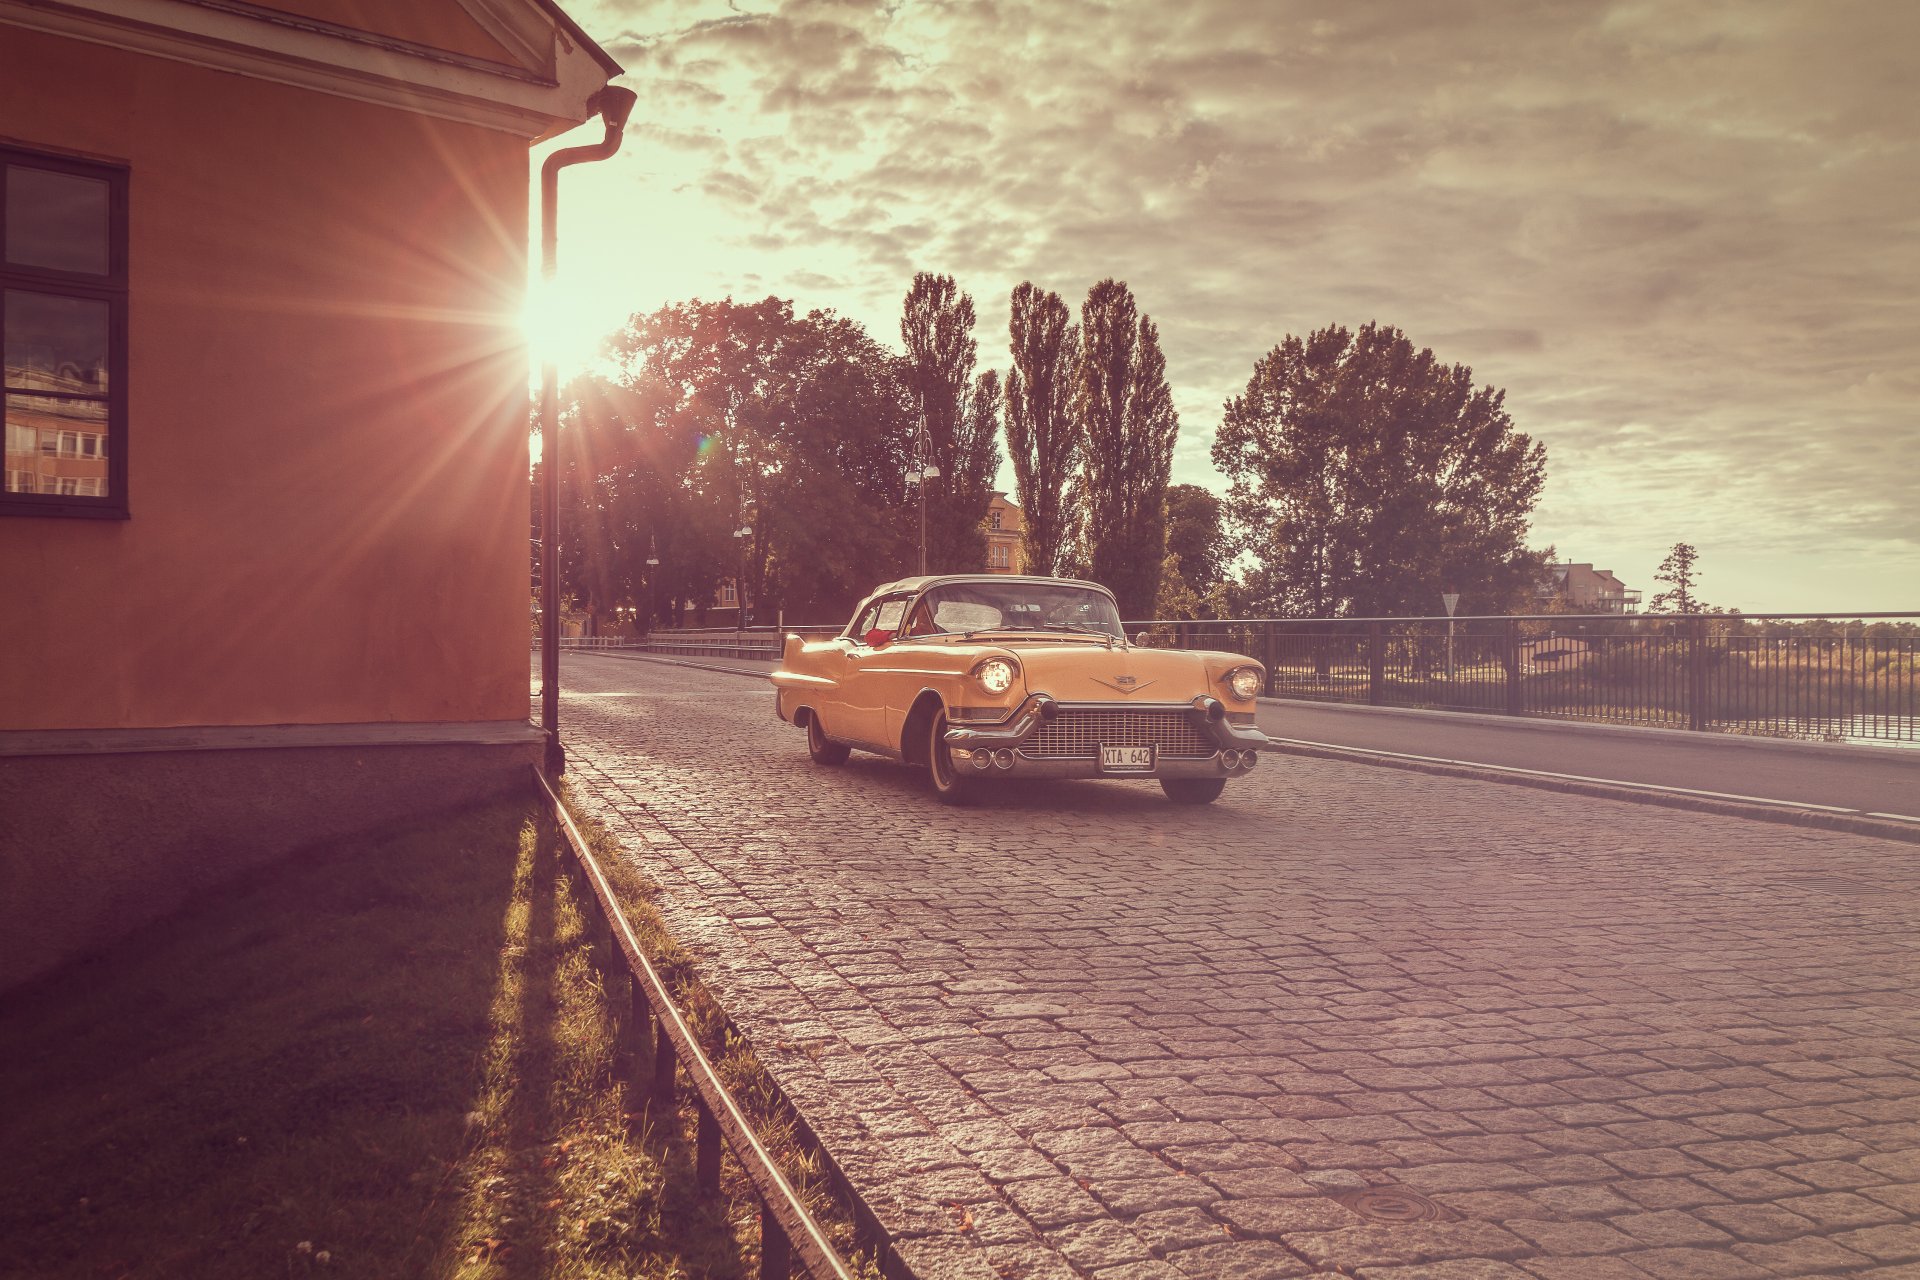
(1126, 759)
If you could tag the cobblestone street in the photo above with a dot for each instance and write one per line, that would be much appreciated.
(1078, 1030)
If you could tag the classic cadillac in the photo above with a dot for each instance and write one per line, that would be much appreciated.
(982, 677)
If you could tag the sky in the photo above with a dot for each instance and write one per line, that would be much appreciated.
(1683, 236)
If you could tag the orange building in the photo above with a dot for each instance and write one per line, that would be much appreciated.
(264, 511)
(1006, 533)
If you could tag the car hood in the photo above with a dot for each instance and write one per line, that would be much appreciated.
(1095, 673)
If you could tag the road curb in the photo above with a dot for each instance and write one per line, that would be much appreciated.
(1783, 814)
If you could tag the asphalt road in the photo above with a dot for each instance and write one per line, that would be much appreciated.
(1346, 1021)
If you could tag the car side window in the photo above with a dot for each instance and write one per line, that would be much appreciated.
(881, 622)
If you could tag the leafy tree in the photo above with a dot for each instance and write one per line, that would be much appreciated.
(1043, 433)
(1127, 410)
(726, 415)
(1677, 571)
(1197, 535)
(936, 327)
(1367, 478)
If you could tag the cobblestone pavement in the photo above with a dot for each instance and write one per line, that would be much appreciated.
(1077, 1030)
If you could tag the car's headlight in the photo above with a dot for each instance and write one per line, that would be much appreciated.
(1245, 682)
(995, 675)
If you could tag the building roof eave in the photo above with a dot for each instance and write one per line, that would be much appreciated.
(531, 102)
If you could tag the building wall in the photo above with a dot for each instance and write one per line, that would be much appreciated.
(314, 621)
(93, 846)
(1006, 546)
(327, 413)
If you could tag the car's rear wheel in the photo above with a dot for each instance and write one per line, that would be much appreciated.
(823, 749)
(1193, 790)
(950, 785)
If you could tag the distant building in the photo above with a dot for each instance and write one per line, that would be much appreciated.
(1006, 530)
(1581, 588)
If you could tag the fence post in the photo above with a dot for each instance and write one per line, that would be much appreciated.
(1270, 653)
(1510, 658)
(1696, 673)
(1376, 666)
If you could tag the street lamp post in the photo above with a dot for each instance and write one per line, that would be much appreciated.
(653, 562)
(923, 471)
(741, 535)
(1450, 599)
(612, 105)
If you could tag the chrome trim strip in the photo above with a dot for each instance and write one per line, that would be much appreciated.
(1229, 736)
(1009, 733)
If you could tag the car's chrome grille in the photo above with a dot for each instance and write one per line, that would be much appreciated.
(1079, 734)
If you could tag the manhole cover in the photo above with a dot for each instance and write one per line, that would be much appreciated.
(1391, 1204)
(1834, 884)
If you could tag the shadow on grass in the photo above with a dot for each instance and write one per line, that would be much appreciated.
(384, 1058)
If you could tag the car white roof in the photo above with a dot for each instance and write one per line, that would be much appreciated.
(920, 584)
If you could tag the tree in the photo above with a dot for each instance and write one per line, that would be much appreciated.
(1197, 536)
(1678, 573)
(1043, 434)
(727, 415)
(936, 326)
(1368, 478)
(1126, 408)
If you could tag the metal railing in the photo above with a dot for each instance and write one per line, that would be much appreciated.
(788, 1232)
(726, 642)
(1781, 675)
(590, 642)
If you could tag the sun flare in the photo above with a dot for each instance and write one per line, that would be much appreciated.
(567, 323)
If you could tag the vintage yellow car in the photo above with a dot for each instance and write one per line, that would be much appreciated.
(984, 677)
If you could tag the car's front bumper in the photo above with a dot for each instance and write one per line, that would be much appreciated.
(1005, 748)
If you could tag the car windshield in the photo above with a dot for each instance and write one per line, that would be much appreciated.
(1022, 606)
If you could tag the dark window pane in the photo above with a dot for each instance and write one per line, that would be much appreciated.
(56, 446)
(56, 220)
(56, 344)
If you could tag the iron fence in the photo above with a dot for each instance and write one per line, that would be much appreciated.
(791, 1239)
(1777, 675)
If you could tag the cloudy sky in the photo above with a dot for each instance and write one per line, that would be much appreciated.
(1683, 235)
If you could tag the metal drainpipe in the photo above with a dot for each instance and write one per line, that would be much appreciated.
(613, 104)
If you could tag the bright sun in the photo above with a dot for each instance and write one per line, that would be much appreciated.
(566, 323)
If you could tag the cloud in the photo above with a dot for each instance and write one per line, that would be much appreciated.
(1680, 236)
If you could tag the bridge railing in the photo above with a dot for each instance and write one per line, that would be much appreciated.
(720, 642)
(1779, 675)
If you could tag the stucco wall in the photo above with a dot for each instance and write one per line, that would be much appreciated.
(327, 426)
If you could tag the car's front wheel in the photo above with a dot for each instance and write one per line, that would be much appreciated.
(823, 749)
(950, 785)
(1193, 790)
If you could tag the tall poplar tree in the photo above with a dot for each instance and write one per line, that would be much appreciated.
(1043, 433)
(936, 327)
(1126, 408)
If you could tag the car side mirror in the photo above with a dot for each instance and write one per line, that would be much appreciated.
(877, 637)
